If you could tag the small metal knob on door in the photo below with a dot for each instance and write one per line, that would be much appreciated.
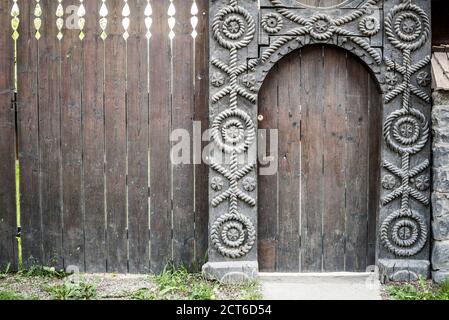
(260, 118)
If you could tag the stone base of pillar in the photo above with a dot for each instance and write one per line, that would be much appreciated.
(231, 271)
(403, 270)
(440, 276)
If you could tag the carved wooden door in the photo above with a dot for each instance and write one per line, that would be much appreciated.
(318, 213)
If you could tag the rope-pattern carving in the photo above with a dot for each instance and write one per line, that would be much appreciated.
(404, 233)
(233, 132)
(406, 131)
(321, 27)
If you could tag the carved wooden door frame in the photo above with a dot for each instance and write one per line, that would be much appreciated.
(392, 37)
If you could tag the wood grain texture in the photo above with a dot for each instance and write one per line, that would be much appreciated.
(182, 110)
(71, 106)
(160, 124)
(334, 180)
(201, 114)
(50, 137)
(115, 130)
(94, 143)
(268, 193)
(335, 153)
(8, 226)
(137, 135)
(289, 163)
(28, 140)
(312, 159)
(357, 153)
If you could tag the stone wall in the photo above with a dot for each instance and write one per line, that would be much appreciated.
(440, 195)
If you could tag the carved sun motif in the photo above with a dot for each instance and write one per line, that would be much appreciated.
(217, 79)
(217, 183)
(249, 184)
(392, 79)
(422, 183)
(233, 234)
(388, 182)
(423, 79)
(321, 27)
(407, 130)
(408, 26)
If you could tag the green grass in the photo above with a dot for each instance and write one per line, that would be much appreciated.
(11, 295)
(178, 283)
(71, 291)
(421, 290)
(43, 272)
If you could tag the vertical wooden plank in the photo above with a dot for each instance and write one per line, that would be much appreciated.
(356, 166)
(70, 104)
(201, 114)
(8, 226)
(115, 115)
(94, 143)
(138, 141)
(288, 106)
(50, 136)
(268, 189)
(160, 117)
(374, 134)
(182, 113)
(333, 132)
(313, 79)
(28, 139)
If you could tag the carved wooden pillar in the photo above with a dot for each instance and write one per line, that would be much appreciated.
(404, 214)
(393, 38)
(233, 118)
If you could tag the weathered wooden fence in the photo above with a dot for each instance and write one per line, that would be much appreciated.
(95, 103)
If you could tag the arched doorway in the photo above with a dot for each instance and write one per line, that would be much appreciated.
(318, 213)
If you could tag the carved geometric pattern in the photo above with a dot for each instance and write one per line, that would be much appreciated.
(406, 131)
(322, 27)
(404, 233)
(369, 26)
(286, 25)
(233, 132)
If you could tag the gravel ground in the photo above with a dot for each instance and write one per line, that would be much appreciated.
(109, 286)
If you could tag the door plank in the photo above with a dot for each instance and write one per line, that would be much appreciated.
(334, 121)
(313, 78)
(268, 196)
(288, 110)
(375, 127)
(356, 166)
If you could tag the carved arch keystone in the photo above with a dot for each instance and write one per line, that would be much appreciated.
(392, 37)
